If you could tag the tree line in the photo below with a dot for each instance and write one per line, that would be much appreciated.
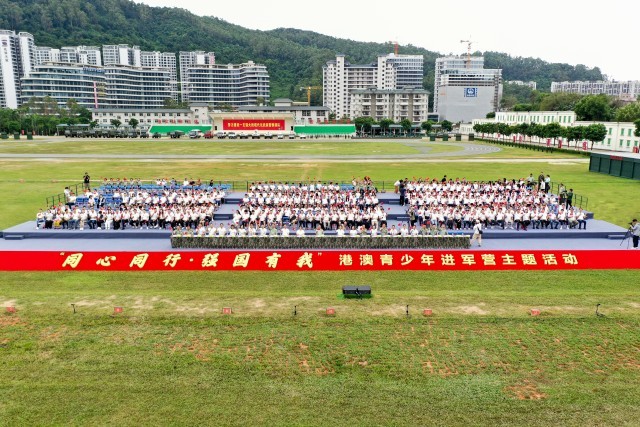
(593, 133)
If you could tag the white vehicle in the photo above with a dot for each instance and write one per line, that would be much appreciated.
(302, 136)
(231, 135)
(195, 133)
(280, 136)
(292, 135)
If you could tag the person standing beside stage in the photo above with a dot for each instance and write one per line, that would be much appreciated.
(634, 229)
(477, 233)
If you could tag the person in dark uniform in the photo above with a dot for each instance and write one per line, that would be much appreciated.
(86, 179)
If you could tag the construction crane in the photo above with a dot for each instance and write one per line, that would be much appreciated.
(309, 89)
(395, 47)
(468, 42)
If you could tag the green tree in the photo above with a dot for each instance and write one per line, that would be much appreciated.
(427, 126)
(406, 125)
(384, 124)
(594, 108)
(628, 113)
(491, 115)
(575, 134)
(523, 107)
(637, 131)
(558, 101)
(133, 122)
(553, 130)
(364, 123)
(116, 123)
(446, 125)
(595, 133)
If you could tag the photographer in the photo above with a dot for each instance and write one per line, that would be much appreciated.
(634, 229)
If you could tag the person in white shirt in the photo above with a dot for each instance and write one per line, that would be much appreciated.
(300, 232)
(477, 233)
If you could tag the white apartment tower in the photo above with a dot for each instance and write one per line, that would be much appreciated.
(464, 89)
(389, 72)
(198, 58)
(166, 60)
(17, 54)
(45, 55)
(121, 54)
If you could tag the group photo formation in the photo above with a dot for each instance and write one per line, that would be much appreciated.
(316, 217)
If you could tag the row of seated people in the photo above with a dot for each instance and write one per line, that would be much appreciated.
(357, 184)
(181, 196)
(273, 230)
(520, 217)
(107, 218)
(164, 183)
(325, 218)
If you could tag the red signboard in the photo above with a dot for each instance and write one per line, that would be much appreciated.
(251, 124)
(319, 260)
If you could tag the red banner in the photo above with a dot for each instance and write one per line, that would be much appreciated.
(283, 260)
(250, 125)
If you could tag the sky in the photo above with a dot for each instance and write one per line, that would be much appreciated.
(568, 31)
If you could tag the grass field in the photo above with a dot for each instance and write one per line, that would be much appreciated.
(172, 358)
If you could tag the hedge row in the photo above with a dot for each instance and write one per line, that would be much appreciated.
(324, 242)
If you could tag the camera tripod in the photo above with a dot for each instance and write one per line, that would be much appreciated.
(626, 237)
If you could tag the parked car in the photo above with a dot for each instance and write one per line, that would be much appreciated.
(268, 135)
(243, 135)
(176, 134)
(292, 135)
(255, 135)
(208, 135)
(195, 133)
(221, 135)
(157, 135)
(232, 135)
(144, 134)
(280, 136)
(302, 136)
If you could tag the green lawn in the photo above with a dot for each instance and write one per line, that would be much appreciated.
(172, 358)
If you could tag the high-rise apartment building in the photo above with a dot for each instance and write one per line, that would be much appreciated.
(62, 82)
(166, 60)
(464, 89)
(395, 104)
(198, 58)
(17, 54)
(136, 87)
(121, 54)
(234, 85)
(340, 78)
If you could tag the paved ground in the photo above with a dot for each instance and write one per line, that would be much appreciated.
(425, 152)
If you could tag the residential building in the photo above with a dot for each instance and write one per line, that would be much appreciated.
(231, 85)
(163, 60)
(625, 90)
(198, 58)
(340, 78)
(395, 104)
(62, 82)
(17, 55)
(121, 54)
(137, 87)
(45, 55)
(302, 114)
(464, 90)
(530, 84)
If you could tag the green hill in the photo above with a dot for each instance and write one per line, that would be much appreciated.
(294, 57)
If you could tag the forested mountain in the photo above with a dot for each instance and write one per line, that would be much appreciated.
(294, 57)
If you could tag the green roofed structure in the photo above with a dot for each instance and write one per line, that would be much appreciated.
(164, 129)
(332, 129)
